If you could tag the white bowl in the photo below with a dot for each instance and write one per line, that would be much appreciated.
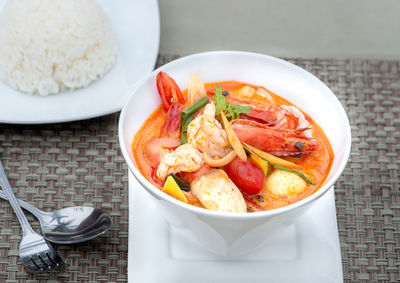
(226, 233)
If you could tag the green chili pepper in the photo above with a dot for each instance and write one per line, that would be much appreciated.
(185, 123)
(295, 172)
(182, 184)
(193, 108)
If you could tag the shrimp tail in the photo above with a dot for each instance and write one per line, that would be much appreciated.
(172, 124)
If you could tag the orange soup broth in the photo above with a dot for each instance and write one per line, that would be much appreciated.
(316, 164)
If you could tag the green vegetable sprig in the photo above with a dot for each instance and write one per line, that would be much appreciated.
(187, 116)
(231, 111)
(185, 123)
(194, 107)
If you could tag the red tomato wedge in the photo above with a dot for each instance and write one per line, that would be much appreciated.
(168, 90)
(189, 177)
(246, 175)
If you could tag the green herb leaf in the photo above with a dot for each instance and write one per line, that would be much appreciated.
(236, 109)
(295, 172)
(231, 111)
(220, 100)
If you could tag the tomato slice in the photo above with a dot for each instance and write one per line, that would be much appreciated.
(246, 175)
(189, 177)
(168, 90)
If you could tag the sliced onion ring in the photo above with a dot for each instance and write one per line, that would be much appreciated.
(233, 138)
(196, 89)
(219, 162)
(169, 142)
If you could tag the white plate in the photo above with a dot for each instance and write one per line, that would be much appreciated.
(307, 251)
(136, 24)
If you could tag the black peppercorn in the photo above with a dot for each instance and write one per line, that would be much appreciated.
(299, 145)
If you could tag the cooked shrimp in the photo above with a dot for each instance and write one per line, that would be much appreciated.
(264, 93)
(207, 133)
(246, 92)
(186, 158)
(302, 121)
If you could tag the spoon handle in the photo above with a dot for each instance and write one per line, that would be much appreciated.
(26, 227)
(36, 212)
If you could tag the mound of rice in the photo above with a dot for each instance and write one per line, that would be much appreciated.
(48, 46)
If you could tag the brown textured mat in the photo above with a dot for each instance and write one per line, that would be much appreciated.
(60, 165)
(367, 194)
(79, 163)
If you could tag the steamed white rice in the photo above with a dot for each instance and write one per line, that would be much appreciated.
(48, 46)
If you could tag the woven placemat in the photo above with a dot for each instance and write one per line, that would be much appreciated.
(367, 193)
(79, 163)
(61, 165)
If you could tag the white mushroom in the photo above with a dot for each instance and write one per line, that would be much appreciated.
(282, 183)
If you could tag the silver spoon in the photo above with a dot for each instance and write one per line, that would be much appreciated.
(36, 254)
(69, 225)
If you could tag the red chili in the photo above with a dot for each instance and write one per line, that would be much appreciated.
(168, 90)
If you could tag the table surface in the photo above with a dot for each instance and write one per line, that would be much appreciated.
(80, 163)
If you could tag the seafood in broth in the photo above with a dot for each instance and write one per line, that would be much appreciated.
(231, 146)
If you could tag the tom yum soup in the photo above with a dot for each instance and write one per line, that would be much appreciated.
(231, 146)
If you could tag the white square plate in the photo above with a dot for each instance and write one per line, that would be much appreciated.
(307, 251)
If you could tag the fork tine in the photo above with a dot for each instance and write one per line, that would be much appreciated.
(33, 267)
(49, 264)
(54, 257)
(37, 263)
(50, 259)
(57, 259)
(33, 270)
(54, 260)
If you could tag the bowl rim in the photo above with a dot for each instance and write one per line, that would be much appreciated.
(218, 214)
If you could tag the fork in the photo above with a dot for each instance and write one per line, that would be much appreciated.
(35, 252)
